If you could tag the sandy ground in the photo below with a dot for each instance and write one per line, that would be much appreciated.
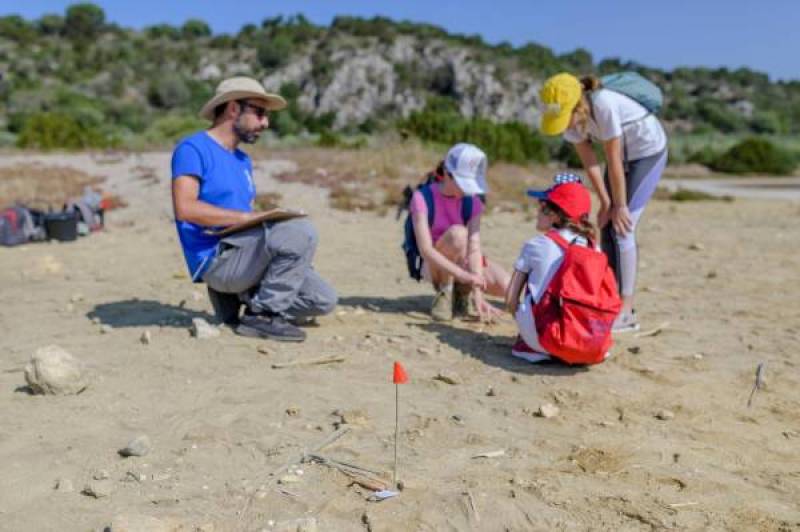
(723, 275)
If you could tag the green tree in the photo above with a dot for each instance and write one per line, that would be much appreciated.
(51, 24)
(754, 155)
(274, 52)
(84, 21)
(194, 28)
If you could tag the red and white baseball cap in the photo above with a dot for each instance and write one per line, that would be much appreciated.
(568, 194)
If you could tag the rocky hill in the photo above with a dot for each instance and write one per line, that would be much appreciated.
(102, 83)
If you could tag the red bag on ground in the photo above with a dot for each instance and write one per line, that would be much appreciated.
(577, 310)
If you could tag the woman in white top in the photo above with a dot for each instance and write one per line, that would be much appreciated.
(635, 147)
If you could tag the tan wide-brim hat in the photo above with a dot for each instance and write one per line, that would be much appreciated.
(239, 88)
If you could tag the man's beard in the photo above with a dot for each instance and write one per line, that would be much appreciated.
(244, 135)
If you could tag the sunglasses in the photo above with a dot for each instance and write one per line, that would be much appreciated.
(260, 112)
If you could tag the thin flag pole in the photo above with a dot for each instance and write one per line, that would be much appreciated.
(396, 430)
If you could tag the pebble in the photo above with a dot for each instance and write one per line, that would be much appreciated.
(665, 415)
(64, 485)
(490, 392)
(292, 411)
(698, 356)
(264, 350)
(102, 474)
(98, 489)
(424, 350)
(75, 298)
(711, 275)
(106, 328)
(202, 330)
(634, 349)
(54, 371)
(139, 446)
(138, 477)
(145, 338)
(289, 479)
(547, 411)
(448, 377)
(696, 246)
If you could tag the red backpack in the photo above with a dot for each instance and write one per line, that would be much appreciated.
(575, 314)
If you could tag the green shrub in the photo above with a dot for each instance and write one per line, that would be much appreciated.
(511, 141)
(47, 131)
(275, 52)
(84, 21)
(169, 91)
(754, 155)
(329, 139)
(194, 28)
(170, 128)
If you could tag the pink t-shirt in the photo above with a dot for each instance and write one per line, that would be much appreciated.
(447, 210)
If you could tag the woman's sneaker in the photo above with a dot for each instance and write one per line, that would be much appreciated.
(625, 323)
(268, 325)
(442, 308)
(522, 350)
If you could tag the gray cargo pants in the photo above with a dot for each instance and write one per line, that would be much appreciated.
(269, 267)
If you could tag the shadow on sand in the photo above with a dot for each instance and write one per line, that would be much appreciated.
(491, 349)
(143, 313)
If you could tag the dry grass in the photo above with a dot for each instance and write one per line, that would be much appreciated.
(42, 186)
(373, 179)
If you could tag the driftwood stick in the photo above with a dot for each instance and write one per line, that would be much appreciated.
(653, 332)
(474, 507)
(310, 362)
(322, 458)
(324, 443)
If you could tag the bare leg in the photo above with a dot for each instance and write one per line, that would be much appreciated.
(453, 245)
(497, 279)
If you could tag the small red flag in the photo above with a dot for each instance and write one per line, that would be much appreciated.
(400, 376)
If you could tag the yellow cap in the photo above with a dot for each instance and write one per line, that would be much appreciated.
(559, 96)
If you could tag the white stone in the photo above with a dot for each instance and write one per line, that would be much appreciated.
(202, 330)
(547, 411)
(52, 370)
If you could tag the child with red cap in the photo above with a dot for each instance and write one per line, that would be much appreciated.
(565, 207)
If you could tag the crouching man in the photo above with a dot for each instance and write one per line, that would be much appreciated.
(267, 268)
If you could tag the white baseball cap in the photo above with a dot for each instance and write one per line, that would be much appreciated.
(467, 163)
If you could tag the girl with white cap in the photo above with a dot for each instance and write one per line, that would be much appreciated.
(635, 147)
(448, 238)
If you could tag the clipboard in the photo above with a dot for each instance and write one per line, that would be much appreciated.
(273, 215)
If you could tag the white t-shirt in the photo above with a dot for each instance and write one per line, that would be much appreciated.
(644, 136)
(540, 258)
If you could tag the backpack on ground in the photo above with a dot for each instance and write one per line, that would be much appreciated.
(19, 225)
(636, 87)
(413, 257)
(577, 310)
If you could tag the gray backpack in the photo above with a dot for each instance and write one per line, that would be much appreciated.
(636, 87)
(19, 225)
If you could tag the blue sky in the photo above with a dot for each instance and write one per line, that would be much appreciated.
(761, 35)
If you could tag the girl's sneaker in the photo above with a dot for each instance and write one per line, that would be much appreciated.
(442, 308)
(626, 323)
(522, 350)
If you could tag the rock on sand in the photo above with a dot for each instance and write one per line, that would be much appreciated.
(54, 371)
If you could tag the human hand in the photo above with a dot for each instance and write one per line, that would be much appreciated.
(486, 311)
(621, 219)
(475, 280)
(603, 216)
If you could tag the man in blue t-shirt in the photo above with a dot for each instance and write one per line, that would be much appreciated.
(267, 267)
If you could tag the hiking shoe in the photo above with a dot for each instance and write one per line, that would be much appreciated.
(522, 350)
(463, 306)
(442, 308)
(625, 323)
(268, 325)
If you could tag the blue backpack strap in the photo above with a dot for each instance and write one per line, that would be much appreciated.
(466, 208)
(427, 194)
